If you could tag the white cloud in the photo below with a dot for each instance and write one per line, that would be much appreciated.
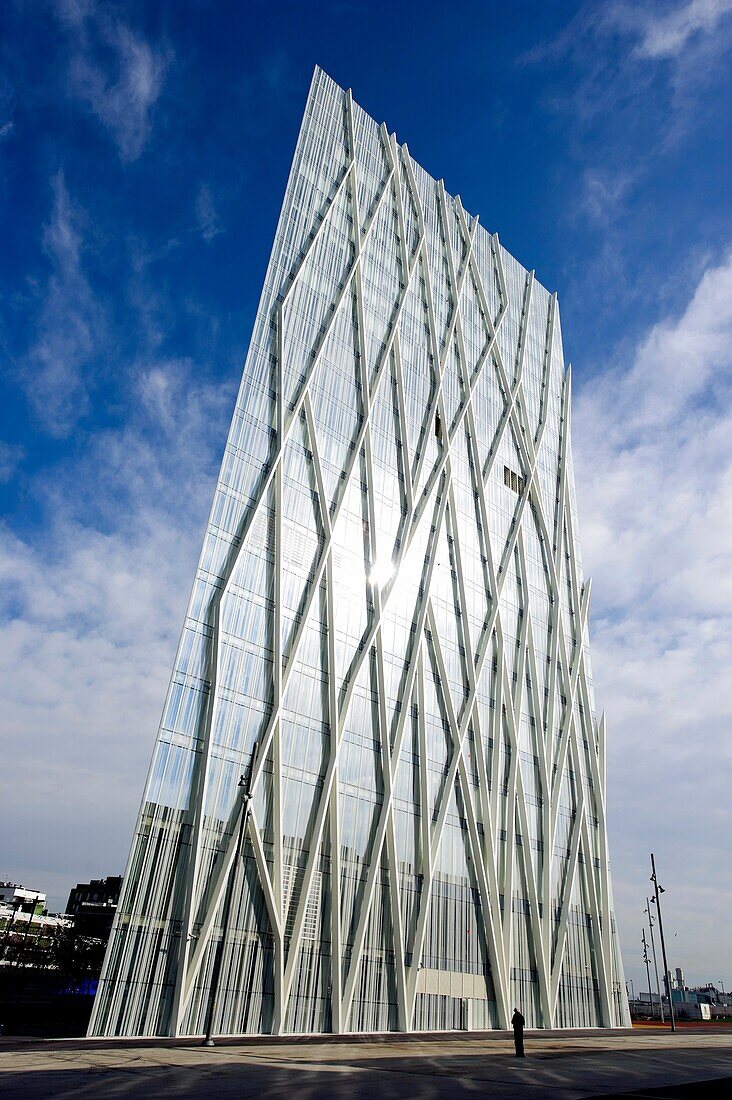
(604, 193)
(209, 225)
(11, 455)
(691, 40)
(90, 615)
(659, 32)
(654, 472)
(115, 71)
(58, 367)
(637, 78)
(668, 34)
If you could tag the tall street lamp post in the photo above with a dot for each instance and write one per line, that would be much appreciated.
(648, 968)
(658, 890)
(651, 922)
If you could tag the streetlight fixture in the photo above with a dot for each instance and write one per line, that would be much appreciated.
(656, 899)
(655, 960)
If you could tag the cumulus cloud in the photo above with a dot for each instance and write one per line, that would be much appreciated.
(71, 324)
(115, 71)
(654, 471)
(90, 617)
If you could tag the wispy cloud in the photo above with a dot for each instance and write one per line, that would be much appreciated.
(58, 368)
(7, 124)
(209, 224)
(669, 34)
(635, 88)
(115, 71)
(635, 84)
(604, 192)
(689, 43)
(11, 455)
(655, 486)
(275, 70)
(638, 71)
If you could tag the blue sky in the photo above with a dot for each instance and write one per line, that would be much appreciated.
(144, 150)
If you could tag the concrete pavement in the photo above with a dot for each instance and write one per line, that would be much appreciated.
(574, 1065)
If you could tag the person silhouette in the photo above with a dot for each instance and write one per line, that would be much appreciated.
(517, 1022)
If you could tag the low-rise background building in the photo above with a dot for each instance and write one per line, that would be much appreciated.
(93, 905)
(50, 962)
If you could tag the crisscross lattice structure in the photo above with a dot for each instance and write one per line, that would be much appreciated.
(390, 604)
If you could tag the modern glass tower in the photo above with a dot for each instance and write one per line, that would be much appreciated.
(387, 637)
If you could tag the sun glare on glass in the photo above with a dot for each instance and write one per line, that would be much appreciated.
(381, 572)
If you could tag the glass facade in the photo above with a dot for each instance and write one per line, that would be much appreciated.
(388, 632)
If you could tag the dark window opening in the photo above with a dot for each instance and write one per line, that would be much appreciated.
(513, 481)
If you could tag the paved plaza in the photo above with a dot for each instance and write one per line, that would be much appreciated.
(644, 1063)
